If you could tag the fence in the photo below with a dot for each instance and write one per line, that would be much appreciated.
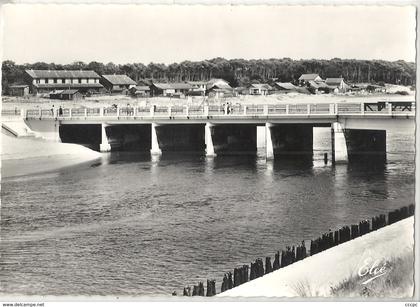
(293, 254)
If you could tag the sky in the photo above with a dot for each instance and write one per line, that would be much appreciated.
(166, 34)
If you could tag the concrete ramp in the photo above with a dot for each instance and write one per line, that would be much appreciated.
(18, 128)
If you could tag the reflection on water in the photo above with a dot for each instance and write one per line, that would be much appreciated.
(132, 224)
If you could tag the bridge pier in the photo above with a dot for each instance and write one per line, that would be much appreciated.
(104, 146)
(339, 145)
(155, 150)
(269, 150)
(56, 137)
(209, 140)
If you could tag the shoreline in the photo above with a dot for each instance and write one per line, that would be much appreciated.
(317, 275)
(30, 156)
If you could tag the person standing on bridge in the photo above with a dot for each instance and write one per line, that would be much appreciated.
(60, 111)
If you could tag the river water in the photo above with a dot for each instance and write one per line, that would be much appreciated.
(130, 225)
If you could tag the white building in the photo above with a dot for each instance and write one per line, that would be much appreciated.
(42, 81)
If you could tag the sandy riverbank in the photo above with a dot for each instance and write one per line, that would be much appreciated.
(315, 276)
(25, 156)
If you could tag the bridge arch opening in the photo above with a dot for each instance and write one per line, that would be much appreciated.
(187, 138)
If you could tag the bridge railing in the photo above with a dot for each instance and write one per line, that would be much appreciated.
(142, 111)
(93, 111)
(193, 110)
(329, 109)
(110, 111)
(278, 109)
(216, 110)
(349, 108)
(10, 112)
(298, 109)
(178, 110)
(321, 108)
(255, 110)
(65, 112)
(78, 112)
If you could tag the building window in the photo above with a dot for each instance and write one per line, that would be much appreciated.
(80, 80)
(37, 81)
(55, 80)
(63, 80)
(46, 81)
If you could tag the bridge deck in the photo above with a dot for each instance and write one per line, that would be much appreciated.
(311, 113)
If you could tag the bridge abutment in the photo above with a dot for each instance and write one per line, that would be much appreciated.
(49, 129)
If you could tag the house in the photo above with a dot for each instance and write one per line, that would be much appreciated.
(337, 84)
(221, 92)
(198, 85)
(19, 90)
(285, 87)
(66, 94)
(71, 95)
(170, 89)
(260, 89)
(217, 84)
(117, 83)
(140, 91)
(44, 81)
(305, 78)
(319, 86)
(198, 88)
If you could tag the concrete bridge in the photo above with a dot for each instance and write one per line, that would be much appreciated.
(356, 128)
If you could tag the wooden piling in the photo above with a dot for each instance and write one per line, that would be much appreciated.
(195, 291)
(354, 231)
(268, 267)
(292, 254)
(411, 210)
(187, 291)
(276, 263)
(200, 289)
(211, 287)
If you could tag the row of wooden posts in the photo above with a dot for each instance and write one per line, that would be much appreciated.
(292, 254)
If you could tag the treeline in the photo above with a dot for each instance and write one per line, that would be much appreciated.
(238, 72)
